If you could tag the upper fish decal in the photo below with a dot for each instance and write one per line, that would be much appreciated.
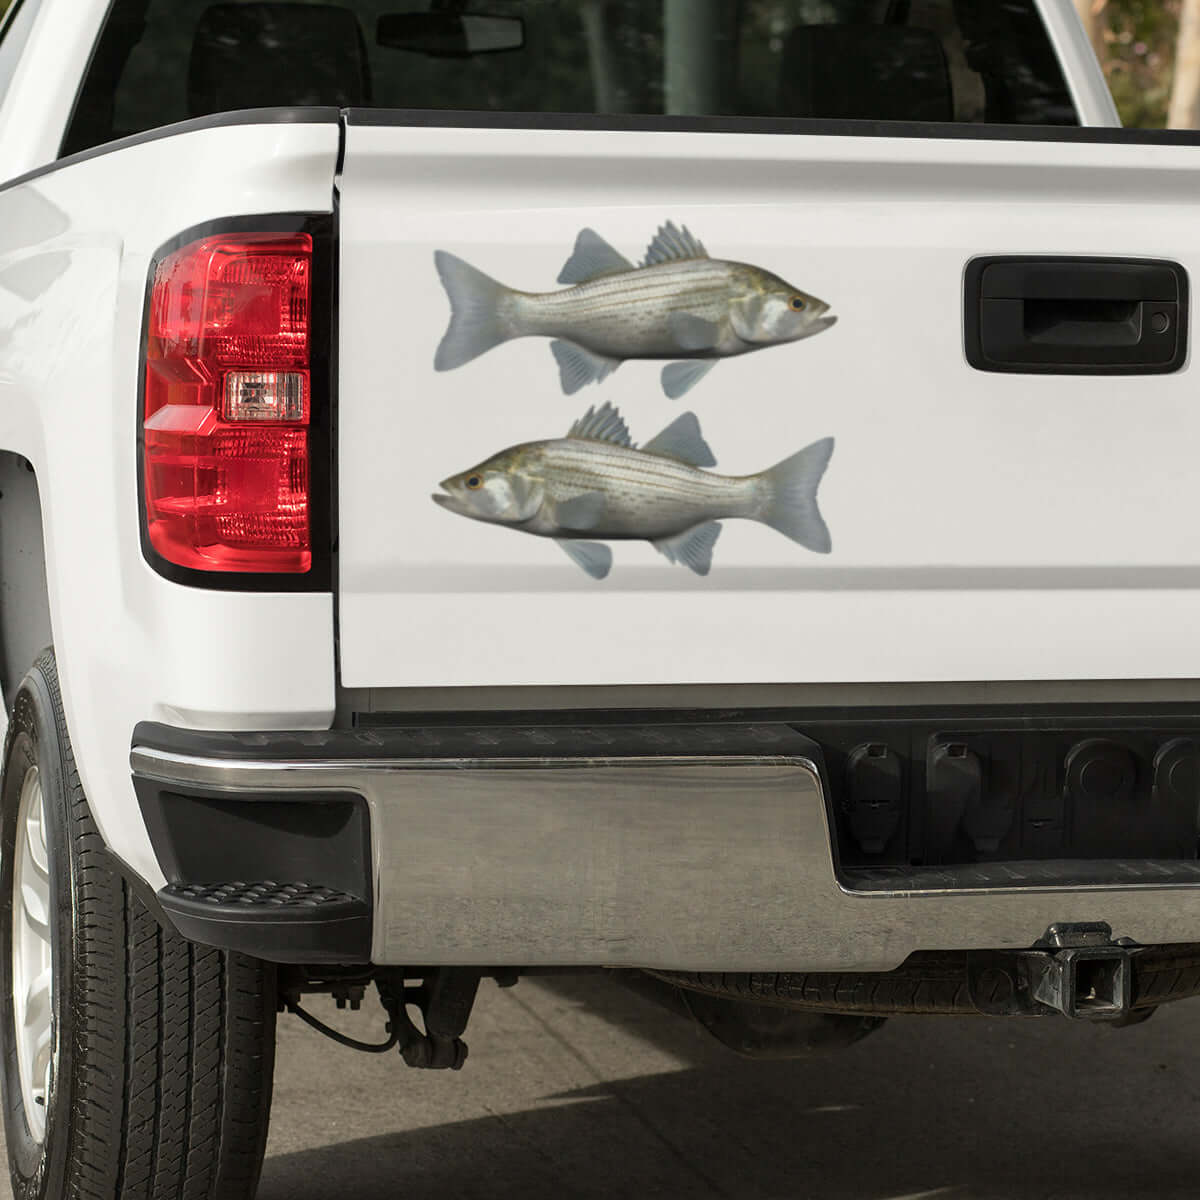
(679, 304)
(595, 485)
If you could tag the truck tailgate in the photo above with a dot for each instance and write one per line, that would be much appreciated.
(984, 524)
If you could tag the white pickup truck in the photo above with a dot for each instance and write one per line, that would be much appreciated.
(373, 610)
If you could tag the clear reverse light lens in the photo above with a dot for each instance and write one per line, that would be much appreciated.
(265, 396)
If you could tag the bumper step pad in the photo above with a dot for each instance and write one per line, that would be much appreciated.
(267, 919)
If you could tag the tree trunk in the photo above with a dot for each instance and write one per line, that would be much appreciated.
(600, 56)
(691, 37)
(1091, 13)
(1185, 93)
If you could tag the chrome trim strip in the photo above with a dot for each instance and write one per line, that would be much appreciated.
(358, 774)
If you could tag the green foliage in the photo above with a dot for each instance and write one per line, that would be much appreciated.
(1140, 37)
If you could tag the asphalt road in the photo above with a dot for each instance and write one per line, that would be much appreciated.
(578, 1088)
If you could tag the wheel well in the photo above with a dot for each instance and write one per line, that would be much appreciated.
(24, 601)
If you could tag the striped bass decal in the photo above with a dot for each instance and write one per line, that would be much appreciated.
(596, 486)
(678, 305)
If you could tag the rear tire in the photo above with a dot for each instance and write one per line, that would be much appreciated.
(161, 1051)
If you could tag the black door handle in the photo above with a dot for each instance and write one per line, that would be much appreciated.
(1076, 316)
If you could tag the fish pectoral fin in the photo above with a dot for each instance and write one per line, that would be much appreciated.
(592, 258)
(603, 424)
(683, 441)
(593, 557)
(679, 378)
(672, 244)
(579, 367)
(693, 549)
(692, 333)
(580, 512)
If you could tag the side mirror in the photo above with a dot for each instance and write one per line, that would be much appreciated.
(450, 35)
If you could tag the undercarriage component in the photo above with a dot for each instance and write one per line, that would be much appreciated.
(1087, 977)
(444, 996)
(347, 987)
(341, 1038)
(751, 1028)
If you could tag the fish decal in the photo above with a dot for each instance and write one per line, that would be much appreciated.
(679, 304)
(596, 486)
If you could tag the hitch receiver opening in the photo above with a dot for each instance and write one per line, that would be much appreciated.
(1088, 984)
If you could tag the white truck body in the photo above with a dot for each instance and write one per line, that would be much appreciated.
(986, 528)
(971, 724)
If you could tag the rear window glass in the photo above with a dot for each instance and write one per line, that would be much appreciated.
(160, 61)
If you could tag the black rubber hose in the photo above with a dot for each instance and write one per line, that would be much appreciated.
(341, 1038)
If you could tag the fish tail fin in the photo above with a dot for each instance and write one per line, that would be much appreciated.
(789, 497)
(479, 318)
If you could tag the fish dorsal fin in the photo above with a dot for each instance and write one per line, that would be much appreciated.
(603, 424)
(672, 244)
(592, 258)
(683, 441)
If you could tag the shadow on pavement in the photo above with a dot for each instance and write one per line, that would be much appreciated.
(936, 1107)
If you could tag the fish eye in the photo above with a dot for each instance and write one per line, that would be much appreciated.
(475, 482)
(797, 304)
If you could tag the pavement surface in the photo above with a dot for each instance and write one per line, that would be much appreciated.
(579, 1088)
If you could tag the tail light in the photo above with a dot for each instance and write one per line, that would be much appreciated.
(228, 401)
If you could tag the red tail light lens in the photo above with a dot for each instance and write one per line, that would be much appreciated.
(227, 405)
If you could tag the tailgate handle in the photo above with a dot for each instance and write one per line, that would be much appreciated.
(1076, 316)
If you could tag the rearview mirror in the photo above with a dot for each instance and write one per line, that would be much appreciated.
(450, 35)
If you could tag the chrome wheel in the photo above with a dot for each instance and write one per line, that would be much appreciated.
(32, 965)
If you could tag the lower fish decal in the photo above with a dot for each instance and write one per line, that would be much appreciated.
(596, 486)
(678, 304)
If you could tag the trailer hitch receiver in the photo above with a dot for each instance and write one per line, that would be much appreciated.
(1087, 976)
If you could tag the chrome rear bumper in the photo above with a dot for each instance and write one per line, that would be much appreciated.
(645, 857)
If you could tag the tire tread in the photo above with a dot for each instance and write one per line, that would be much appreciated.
(173, 1042)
